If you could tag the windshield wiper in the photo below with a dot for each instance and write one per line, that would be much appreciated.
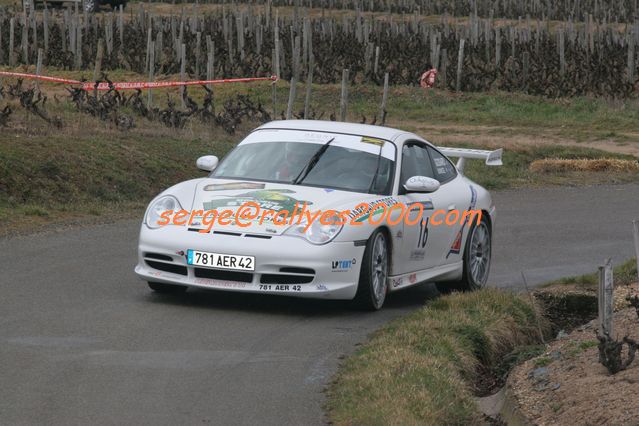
(311, 163)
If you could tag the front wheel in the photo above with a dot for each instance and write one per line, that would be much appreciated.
(477, 254)
(372, 286)
(166, 288)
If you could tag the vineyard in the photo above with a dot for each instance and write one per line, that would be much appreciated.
(562, 10)
(593, 51)
(122, 110)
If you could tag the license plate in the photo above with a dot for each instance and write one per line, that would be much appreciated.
(220, 261)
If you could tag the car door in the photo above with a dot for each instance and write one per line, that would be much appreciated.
(450, 201)
(416, 251)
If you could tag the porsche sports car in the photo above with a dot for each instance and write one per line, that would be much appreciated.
(354, 172)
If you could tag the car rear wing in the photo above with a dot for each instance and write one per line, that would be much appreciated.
(492, 158)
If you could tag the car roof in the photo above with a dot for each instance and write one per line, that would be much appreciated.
(369, 130)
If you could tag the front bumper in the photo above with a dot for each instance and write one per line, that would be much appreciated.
(283, 265)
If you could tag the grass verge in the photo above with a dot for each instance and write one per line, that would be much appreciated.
(88, 172)
(551, 165)
(623, 275)
(423, 368)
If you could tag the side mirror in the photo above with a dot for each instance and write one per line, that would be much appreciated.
(208, 163)
(421, 184)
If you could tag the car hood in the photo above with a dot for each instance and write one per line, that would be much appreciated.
(228, 194)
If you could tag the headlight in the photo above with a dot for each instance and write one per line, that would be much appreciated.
(159, 206)
(317, 233)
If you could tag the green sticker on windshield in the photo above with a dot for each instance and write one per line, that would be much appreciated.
(374, 141)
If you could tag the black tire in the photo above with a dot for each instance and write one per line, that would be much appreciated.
(166, 288)
(370, 296)
(470, 279)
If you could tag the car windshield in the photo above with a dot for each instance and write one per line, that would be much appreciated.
(338, 167)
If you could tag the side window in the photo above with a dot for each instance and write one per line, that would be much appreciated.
(415, 162)
(444, 170)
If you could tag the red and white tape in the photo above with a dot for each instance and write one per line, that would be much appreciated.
(135, 85)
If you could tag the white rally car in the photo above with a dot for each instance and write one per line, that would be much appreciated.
(355, 172)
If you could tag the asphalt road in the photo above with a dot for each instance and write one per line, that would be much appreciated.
(82, 340)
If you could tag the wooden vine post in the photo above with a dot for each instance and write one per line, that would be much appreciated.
(343, 103)
(605, 299)
(635, 226)
(460, 64)
(382, 111)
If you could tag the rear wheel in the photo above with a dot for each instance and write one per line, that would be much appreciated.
(477, 254)
(372, 286)
(166, 288)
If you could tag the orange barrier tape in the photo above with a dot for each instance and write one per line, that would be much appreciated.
(134, 85)
(159, 84)
(38, 77)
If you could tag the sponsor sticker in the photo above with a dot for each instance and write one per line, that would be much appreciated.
(317, 137)
(321, 287)
(219, 283)
(374, 141)
(426, 205)
(418, 254)
(268, 199)
(397, 282)
(456, 247)
(342, 265)
(363, 211)
(233, 185)
(412, 278)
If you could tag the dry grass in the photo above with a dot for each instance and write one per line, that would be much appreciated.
(421, 369)
(623, 274)
(555, 165)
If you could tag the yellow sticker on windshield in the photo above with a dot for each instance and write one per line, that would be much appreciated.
(374, 141)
